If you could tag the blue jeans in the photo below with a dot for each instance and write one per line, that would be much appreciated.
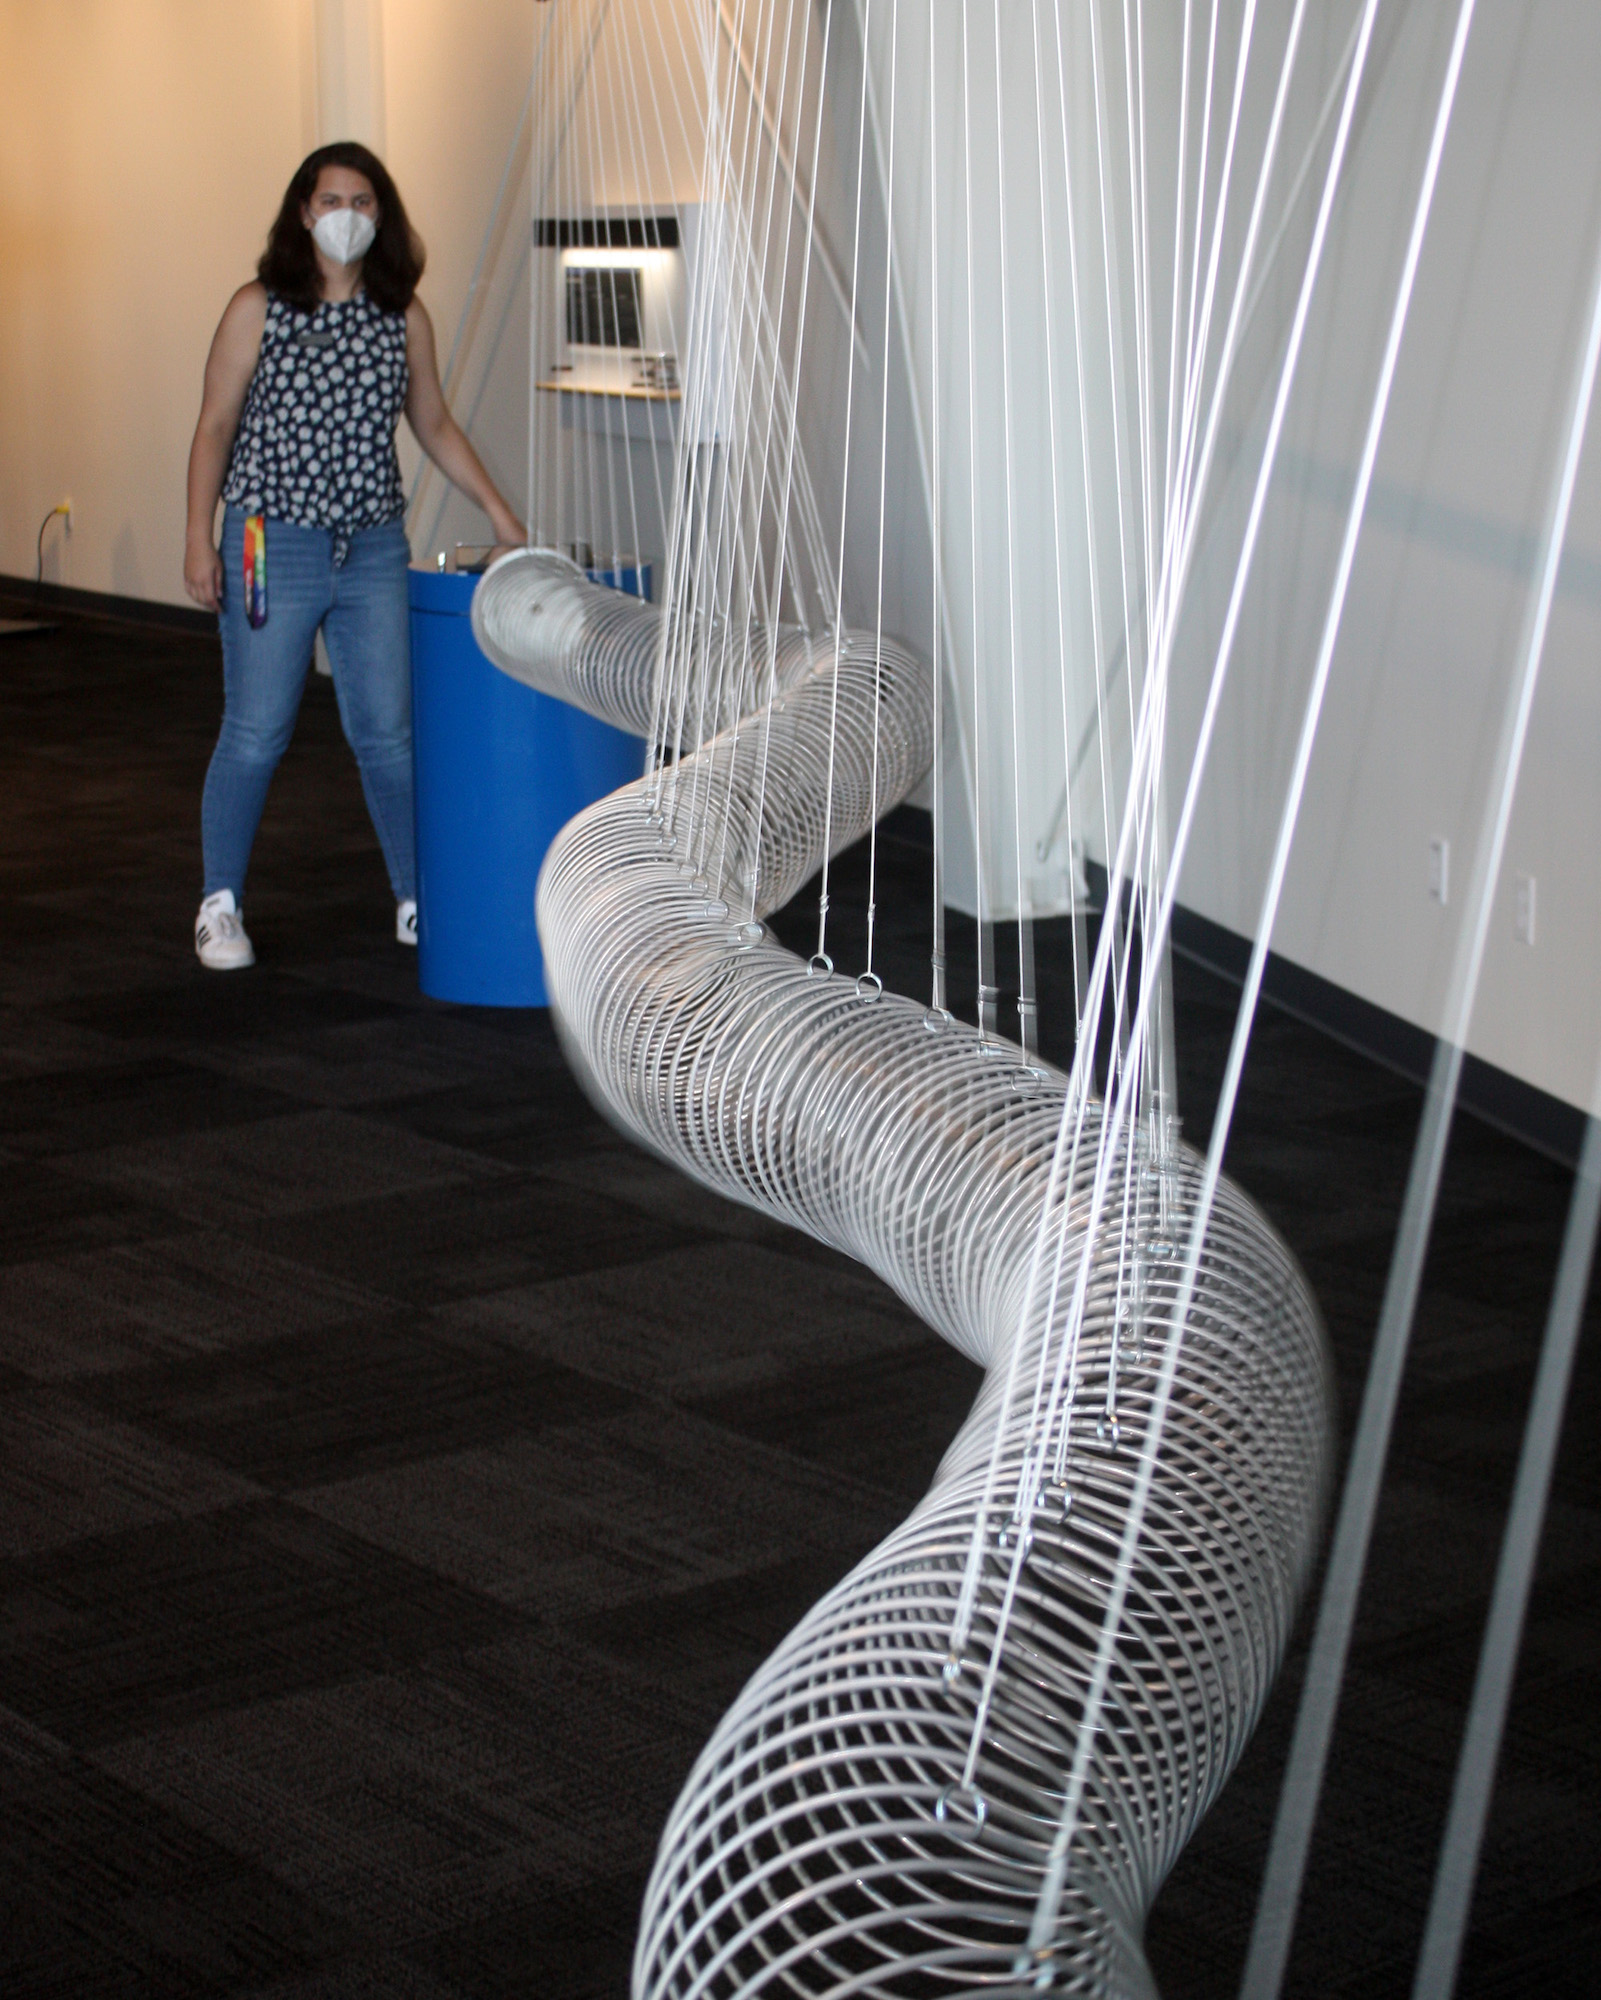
(361, 605)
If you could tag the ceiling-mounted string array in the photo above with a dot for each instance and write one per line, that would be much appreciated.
(971, 1764)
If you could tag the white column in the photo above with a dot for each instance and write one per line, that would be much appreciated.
(350, 72)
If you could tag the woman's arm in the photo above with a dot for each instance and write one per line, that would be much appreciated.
(439, 434)
(229, 367)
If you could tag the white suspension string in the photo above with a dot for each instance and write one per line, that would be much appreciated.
(1280, 1892)
(1492, 1688)
(1062, 656)
(869, 985)
(1028, 1027)
(821, 960)
(1049, 1899)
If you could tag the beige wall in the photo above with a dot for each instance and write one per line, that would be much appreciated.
(143, 148)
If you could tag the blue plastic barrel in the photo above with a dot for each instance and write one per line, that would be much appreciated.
(631, 576)
(500, 770)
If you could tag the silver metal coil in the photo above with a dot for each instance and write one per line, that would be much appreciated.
(855, 1826)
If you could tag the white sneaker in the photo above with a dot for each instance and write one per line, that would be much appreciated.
(220, 938)
(406, 921)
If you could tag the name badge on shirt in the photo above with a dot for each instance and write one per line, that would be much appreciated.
(307, 338)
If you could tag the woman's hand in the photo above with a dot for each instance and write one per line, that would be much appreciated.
(202, 575)
(509, 531)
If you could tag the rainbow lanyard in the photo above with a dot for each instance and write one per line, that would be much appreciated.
(256, 569)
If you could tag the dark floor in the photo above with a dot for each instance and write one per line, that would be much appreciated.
(399, 1474)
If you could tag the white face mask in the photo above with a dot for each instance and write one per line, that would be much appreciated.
(344, 234)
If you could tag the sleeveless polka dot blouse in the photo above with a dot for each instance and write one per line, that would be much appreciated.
(316, 438)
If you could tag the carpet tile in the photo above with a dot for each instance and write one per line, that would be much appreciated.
(344, 1400)
(621, 1510)
(67, 1472)
(194, 1293)
(120, 1633)
(75, 1110)
(106, 1893)
(305, 1161)
(417, 1800)
(505, 1229)
(45, 1211)
(759, 1313)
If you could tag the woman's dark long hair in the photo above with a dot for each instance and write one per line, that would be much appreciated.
(391, 267)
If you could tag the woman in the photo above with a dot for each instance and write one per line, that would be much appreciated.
(306, 379)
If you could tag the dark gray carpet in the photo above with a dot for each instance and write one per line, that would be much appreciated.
(399, 1473)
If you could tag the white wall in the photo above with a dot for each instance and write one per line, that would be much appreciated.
(971, 130)
(1442, 583)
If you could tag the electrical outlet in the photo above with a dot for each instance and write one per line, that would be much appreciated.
(1440, 870)
(1523, 906)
